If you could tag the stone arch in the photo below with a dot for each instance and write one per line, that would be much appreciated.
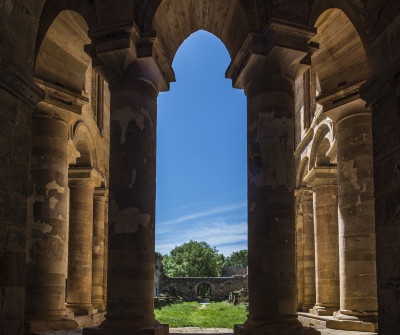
(84, 144)
(341, 62)
(204, 288)
(61, 59)
(302, 172)
(51, 10)
(353, 9)
(174, 23)
(322, 147)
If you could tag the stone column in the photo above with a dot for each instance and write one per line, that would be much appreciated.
(98, 249)
(299, 250)
(305, 198)
(266, 67)
(135, 78)
(323, 181)
(105, 264)
(358, 296)
(47, 214)
(82, 182)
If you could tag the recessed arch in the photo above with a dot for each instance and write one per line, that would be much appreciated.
(61, 59)
(84, 144)
(341, 61)
(302, 172)
(174, 21)
(323, 143)
(353, 10)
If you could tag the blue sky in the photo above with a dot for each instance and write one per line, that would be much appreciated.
(201, 152)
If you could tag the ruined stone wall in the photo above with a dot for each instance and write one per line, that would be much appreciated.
(187, 287)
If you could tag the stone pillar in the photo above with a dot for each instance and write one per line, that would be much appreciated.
(323, 181)
(82, 182)
(358, 296)
(305, 200)
(135, 77)
(105, 264)
(47, 214)
(299, 250)
(98, 249)
(266, 67)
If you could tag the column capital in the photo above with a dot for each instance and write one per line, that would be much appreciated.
(124, 51)
(343, 103)
(283, 48)
(322, 176)
(100, 194)
(59, 102)
(304, 194)
(84, 176)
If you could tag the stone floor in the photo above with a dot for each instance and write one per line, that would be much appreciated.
(212, 331)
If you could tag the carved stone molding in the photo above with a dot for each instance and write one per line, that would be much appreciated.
(124, 51)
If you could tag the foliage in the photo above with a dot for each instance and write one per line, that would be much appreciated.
(237, 259)
(193, 259)
(192, 314)
(204, 291)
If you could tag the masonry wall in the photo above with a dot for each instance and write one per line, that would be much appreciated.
(187, 287)
(18, 98)
(383, 94)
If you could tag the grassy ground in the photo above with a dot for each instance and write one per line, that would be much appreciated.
(191, 314)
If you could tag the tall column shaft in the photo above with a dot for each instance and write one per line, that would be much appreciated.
(299, 250)
(271, 221)
(105, 264)
(326, 250)
(79, 283)
(358, 297)
(308, 251)
(98, 249)
(47, 219)
(132, 195)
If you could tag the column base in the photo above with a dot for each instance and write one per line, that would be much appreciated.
(329, 322)
(124, 329)
(99, 305)
(346, 315)
(82, 309)
(323, 310)
(306, 307)
(41, 326)
(270, 327)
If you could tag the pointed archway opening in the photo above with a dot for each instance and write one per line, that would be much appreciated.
(201, 152)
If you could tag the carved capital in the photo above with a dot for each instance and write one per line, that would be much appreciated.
(343, 103)
(322, 176)
(100, 194)
(283, 49)
(125, 52)
(303, 194)
(60, 102)
(84, 176)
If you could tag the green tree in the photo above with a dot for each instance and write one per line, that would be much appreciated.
(193, 259)
(237, 259)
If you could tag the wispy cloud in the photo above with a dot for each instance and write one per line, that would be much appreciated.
(225, 236)
(198, 215)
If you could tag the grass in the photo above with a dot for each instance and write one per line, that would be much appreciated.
(213, 315)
